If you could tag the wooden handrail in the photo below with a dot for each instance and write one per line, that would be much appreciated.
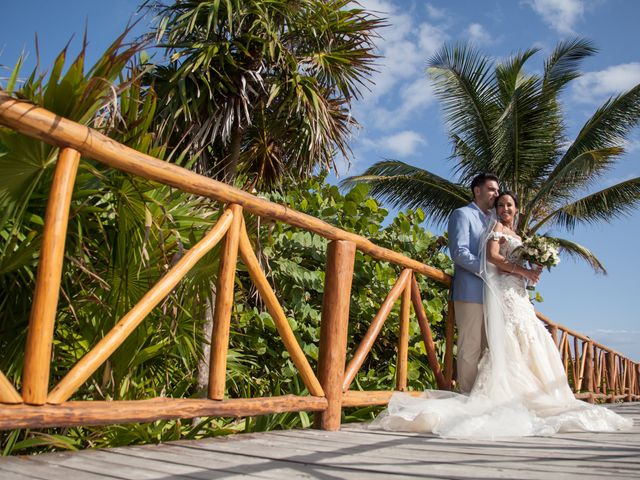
(8, 393)
(55, 130)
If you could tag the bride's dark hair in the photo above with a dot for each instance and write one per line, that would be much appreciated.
(511, 194)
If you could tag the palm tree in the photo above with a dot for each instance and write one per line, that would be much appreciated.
(260, 90)
(504, 120)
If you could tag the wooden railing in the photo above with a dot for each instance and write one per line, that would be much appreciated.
(37, 406)
(595, 372)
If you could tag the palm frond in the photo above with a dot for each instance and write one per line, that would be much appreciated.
(577, 251)
(405, 186)
(592, 161)
(463, 82)
(607, 128)
(562, 66)
(612, 202)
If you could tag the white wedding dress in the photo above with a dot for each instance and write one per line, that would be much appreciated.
(521, 388)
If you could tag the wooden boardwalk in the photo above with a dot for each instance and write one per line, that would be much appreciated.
(354, 452)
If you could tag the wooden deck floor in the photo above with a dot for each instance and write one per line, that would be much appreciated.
(354, 452)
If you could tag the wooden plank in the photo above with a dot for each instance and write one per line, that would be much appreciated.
(356, 452)
(104, 413)
(209, 463)
(234, 462)
(127, 324)
(393, 456)
(37, 355)
(448, 342)
(32, 467)
(39, 123)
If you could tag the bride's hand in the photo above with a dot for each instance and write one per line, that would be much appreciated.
(533, 275)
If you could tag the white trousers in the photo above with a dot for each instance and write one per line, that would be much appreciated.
(471, 342)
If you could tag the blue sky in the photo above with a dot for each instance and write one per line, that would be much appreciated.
(401, 119)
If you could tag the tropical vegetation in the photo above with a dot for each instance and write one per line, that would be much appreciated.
(125, 232)
(504, 120)
(261, 91)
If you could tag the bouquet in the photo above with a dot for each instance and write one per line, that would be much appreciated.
(539, 252)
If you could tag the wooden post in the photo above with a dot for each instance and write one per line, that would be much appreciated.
(448, 353)
(589, 369)
(429, 346)
(37, 358)
(224, 303)
(333, 329)
(575, 364)
(610, 368)
(403, 338)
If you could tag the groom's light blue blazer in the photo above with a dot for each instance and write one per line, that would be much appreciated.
(466, 226)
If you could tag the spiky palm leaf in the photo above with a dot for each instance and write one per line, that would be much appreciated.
(508, 122)
(602, 206)
(579, 252)
(237, 69)
(404, 185)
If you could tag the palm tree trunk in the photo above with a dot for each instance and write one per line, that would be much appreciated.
(203, 364)
(231, 165)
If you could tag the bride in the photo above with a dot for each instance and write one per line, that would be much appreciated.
(521, 388)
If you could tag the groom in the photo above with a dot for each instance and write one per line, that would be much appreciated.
(466, 226)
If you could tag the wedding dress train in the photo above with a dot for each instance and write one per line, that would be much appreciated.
(521, 388)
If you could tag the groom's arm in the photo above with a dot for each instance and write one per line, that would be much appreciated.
(459, 243)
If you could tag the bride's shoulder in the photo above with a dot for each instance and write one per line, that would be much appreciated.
(497, 233)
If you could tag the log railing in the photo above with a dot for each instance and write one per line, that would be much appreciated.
(595, 372)
(598, 369)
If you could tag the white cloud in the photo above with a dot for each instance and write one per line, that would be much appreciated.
(403, 143)
(561, 15)
(594, 87)
(435, 13)
(413, 96)
(405, 47)
(430, 38)
(479, 35)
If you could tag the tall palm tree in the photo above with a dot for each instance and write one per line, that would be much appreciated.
(261, 89)
(504, 120)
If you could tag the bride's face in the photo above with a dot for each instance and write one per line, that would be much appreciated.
(506, 209)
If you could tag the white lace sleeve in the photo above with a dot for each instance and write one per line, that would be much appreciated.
(495, 236)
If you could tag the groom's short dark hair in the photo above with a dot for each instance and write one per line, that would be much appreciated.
(481, 179)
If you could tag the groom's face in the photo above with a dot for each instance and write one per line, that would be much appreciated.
(486, 194)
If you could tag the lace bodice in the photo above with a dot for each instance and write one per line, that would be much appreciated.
(508, 247)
